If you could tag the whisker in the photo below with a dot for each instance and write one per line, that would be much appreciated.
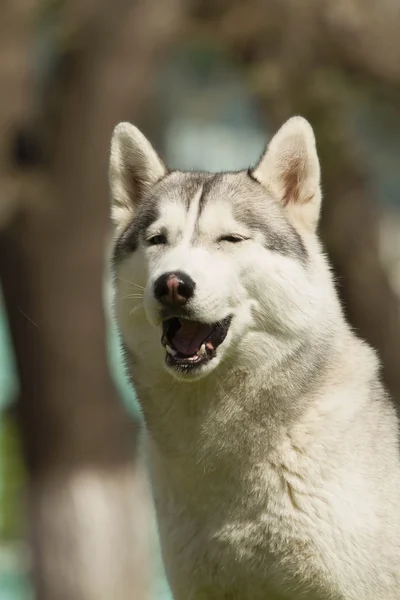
(133, 296)
(132, 283)
(220, 385)
(135, 309)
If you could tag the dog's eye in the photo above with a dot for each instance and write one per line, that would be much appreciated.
(157, 240)
(232, 238)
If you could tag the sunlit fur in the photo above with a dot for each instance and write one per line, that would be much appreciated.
(275, 468)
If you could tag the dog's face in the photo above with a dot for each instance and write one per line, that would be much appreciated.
(205, 262)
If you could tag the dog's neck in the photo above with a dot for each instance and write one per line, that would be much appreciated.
(207, 440)
(263, 391)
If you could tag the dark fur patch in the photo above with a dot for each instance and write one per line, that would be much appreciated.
(129, 239)
(190, 186)
(209, 181)
(289, 244)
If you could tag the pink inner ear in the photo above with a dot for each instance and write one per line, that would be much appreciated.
(293, 177)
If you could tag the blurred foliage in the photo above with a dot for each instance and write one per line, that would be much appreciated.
(12, 474)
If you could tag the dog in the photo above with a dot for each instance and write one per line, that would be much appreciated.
(273, 448)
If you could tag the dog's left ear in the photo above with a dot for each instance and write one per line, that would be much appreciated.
(289, 169)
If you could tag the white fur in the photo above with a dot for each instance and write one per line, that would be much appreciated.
(129, 146)
(290, 168)
(276, 471)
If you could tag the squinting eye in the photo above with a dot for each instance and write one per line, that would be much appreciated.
(156, 240)
(233, 239)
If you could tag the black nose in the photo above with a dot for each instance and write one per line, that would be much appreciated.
(174, 288)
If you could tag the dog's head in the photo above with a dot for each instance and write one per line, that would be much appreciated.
(206, 263)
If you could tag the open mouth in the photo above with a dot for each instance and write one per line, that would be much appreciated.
(190, 344)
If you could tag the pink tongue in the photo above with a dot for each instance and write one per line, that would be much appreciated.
(189, 337)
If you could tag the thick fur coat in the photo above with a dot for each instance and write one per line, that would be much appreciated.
(273, 448)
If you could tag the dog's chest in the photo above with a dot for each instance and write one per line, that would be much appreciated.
(235, 527)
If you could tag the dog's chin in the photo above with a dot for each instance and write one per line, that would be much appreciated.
(193, 349)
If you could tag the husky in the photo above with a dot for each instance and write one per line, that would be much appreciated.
(273, 448)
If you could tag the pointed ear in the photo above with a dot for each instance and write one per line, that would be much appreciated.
(134, 167)
(289, 168)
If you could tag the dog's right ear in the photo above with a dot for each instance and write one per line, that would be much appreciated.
(134, 167)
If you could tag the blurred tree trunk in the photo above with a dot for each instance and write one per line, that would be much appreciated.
(87, 499)
(292, 56)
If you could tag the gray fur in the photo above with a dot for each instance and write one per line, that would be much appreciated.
(251, 205)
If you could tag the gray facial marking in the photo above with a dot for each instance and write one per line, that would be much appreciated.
(129, 239)
(259, 212)
(190, 184)
(175, 184)
(283, 240)
(210, 181)
(251, 205)
(147, 212)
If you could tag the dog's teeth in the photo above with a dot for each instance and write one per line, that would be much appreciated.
(171, 350)
(202, 349)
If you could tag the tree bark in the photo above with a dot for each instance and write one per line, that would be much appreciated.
(87, 497)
